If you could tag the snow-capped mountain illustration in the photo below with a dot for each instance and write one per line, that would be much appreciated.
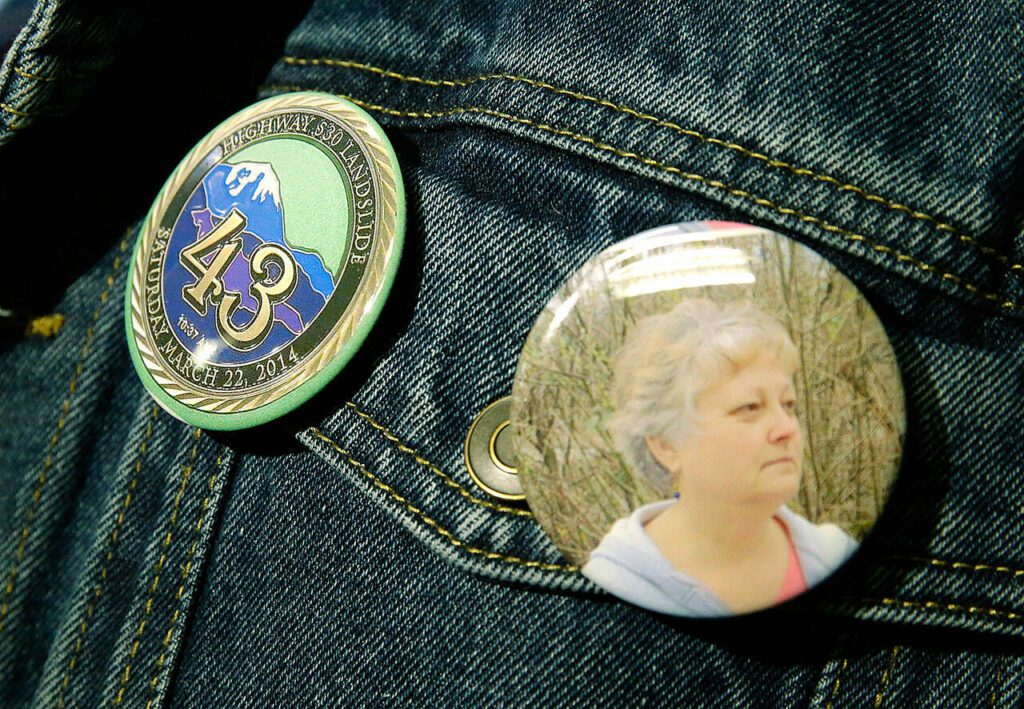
(260, 176)
(247, 186)
(254, 190)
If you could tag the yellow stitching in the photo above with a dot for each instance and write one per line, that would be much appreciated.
(434, 469)
(448, 536)
(37, 494)
(344, 63)
(98, 591)
(1000, 300)
(663, 123)
(34, 77)
(956, 608)
(880, 697)
(1015, 573)
(186, 572)
(63, 75)
(835, 688)
(186, 471)
(16, 112)
(997, 690)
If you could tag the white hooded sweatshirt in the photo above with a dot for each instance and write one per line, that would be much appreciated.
(628, 564)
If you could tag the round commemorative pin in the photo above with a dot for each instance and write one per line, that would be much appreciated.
(265, 261)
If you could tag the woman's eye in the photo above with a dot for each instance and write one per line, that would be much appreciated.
(747, 408)
(790, 405)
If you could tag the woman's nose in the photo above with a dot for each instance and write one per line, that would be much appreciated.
(784, 424)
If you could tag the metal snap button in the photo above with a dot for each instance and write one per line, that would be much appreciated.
(489, 452)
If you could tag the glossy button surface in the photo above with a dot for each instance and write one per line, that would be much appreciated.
(265, 260)
(708, 419)
(490, 458)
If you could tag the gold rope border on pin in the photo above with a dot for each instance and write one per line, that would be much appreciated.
(376, 267)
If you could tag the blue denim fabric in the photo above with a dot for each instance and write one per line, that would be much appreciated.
(57, 57)
(345, 556)
(13, 16)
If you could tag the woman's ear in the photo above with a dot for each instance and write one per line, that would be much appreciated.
(664, 452)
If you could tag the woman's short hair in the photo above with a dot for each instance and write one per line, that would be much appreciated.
(668, 359)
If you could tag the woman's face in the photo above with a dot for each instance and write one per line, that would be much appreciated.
(748, 445)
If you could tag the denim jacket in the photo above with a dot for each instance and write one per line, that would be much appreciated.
(344, 555)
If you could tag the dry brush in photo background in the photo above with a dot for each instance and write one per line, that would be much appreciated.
(850, 400)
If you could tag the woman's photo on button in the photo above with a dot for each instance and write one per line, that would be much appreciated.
(707, 419)
(707, 415)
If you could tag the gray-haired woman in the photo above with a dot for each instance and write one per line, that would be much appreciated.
(706, 409)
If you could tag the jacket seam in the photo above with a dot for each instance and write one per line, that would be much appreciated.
(186, 573)
(186, 472)
(51, 78)
(126, 502)
(455, 541)
(420, 459)
(835, 687)
(886, 677)
(14, 111)
(999, 299)
(998, 690)
(65, 412)
(17, 54)
(840, 186)
(34, 77)
(949, 607)
(444, 533)
(962, 566)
